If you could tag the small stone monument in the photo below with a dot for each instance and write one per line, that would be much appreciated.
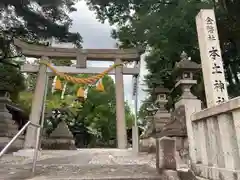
(60, 139)
(166, 154)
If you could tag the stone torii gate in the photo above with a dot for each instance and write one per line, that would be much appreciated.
(81, 55)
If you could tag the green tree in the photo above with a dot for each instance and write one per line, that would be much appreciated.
(39, 20)
(95, 116)
(99, 111)
(168, 28)
(33, 21)
(11, 80)
(25, 101)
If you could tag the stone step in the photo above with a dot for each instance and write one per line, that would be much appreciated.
(102, 178)
(98, 164)
(76, 172)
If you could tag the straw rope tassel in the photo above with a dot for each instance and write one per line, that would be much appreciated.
(100, 86)
(80, 92)
(86, 93)
(58, 85)
(64, 90)
(53, 84)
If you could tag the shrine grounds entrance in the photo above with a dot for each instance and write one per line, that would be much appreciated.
(118, 56)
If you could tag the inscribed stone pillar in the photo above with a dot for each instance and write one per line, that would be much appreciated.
(37, 104)
(211, 58)
(166, 154)
(120, 110)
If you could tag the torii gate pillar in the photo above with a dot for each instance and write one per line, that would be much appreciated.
(37, 105)
(120, 107)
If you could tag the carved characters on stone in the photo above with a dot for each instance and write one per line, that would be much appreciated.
(211, 58)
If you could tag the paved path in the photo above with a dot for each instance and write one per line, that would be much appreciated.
(98, 164)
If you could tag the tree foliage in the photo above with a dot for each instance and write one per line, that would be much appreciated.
(96, 116)
(39, 19)
(11, 80)
(167, 28)
(34, 21)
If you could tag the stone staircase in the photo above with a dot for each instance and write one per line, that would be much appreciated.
(75, 172)
(99, 164)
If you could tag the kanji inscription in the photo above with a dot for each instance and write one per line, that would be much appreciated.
(211, 58)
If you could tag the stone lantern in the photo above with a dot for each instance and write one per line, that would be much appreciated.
(161, 94)
(149, 119)
(162, 116)
(151, 111)
(184, 71)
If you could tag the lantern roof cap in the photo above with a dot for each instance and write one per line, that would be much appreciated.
(161, 89)
(186, 63)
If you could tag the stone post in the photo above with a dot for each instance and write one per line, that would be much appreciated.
(120, 108)
(184, 71)
(37, 104)
(166, 154)
(211, 58)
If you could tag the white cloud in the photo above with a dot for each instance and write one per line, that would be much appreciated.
(94, 33)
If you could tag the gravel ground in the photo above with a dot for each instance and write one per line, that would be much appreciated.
(81, 164)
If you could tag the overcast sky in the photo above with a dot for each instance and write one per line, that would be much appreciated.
(97, 35)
